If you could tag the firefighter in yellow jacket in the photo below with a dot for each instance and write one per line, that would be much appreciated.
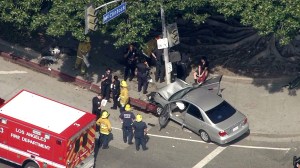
(124, 97)
(84, 48)
(105, 130)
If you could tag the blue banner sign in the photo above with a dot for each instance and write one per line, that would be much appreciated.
(114, 13)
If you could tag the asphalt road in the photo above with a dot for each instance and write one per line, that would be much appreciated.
(168, 148)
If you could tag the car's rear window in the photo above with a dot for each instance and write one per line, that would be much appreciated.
(221, 112)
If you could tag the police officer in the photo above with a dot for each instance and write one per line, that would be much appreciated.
(131, 60)
(105, 130)
(142, 74)
(97, 107)
(127, 118)
(160, 65)
(115, 89)
(140, 131)
(183, 66)
(106, 80)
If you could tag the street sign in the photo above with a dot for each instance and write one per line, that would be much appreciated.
(173, 36)
(162, 43)
(114, 13)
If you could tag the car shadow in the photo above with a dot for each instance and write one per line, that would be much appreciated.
(236, 140)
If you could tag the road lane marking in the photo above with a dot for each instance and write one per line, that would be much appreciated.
(198, 141)
(209, 157)
(11, 72)
(260, 147)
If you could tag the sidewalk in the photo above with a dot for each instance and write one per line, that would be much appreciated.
(271, 110)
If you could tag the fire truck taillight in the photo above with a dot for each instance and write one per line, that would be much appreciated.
(2, 101)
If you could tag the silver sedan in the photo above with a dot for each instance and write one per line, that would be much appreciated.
(201, 109)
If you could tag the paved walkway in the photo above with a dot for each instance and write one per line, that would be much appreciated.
(272, 111)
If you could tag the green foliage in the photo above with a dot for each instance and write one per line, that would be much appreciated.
(58, 17)
(281, 18)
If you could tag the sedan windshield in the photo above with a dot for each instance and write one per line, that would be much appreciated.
(221, 112)
(180, 93)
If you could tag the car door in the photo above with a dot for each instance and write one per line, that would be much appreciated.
(164, 117)
(213, 85)
(194, 119)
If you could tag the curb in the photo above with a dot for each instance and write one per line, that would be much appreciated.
(95, 88)
(50, 72)
(248, 80)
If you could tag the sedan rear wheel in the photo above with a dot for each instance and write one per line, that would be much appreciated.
(204, 136)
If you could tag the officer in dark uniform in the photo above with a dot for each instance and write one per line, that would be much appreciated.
(97, 107)
(115, 89)
(160, 65)
(106, 80)
(127, 118)
(140, 131)
(183, 67)
(142, 74)
(131, 60)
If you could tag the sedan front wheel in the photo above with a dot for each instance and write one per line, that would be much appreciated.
(204, 136)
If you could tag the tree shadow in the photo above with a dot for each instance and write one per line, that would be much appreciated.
(239, 51)
(231, 48)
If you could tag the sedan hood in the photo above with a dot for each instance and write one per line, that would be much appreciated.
(167, 91)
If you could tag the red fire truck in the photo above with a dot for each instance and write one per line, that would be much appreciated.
(37, 132)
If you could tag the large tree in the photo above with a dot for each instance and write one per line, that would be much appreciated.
(281, 18)
(269, 33)
(251, 29)
(59, 17)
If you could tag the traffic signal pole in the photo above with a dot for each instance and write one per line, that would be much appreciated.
(104, 5)
(166, 52)
(168, 66)
(91, 19)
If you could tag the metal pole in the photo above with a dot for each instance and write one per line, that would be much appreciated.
(166, 52)
(99, 7)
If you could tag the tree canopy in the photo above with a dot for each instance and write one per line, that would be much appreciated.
(281, 18)
(59, 17)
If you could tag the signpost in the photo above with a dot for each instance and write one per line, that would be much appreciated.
(114, 13)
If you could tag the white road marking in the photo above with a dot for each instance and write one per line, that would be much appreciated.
(260, 147)
(11, 72)
(198, 141)
(209, 157)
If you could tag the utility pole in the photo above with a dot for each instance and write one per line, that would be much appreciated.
(166, 52)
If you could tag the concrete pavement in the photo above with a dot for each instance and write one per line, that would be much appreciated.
(271, 109)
